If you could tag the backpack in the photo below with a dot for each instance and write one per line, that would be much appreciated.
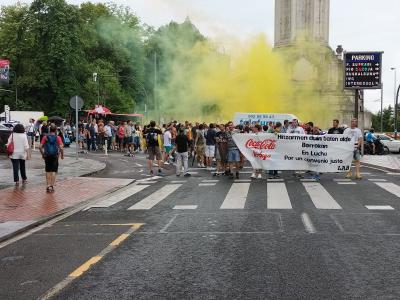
(51, 147)
(152, 138)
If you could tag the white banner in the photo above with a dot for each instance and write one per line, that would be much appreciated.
(319, 153)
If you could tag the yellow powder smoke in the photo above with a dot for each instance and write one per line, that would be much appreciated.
(207, 85)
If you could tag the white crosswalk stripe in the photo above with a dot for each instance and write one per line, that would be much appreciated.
(320, 196)
(156, 197)
(236, 197)
(390, 187)
(119, 196)
(277, 196)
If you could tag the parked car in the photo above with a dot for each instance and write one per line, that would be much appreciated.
(4, 134)
(391, 144)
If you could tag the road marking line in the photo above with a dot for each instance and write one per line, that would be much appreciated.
(210, 181)
(308, 180)
(139, 165)
(185, 207)
(84, 267)
(308, 225)
(379, 207)
(179, 181)
(88, 264)
(276, 180)
(365, 173)
(346, 183)
(320, 196)
(277, 196)
(341, 180)
(146, 182)
(155, 198)
(377, 180)
(236, 197)
(390, 187)
(390, 173)
(119, 196)
(119, 239)
(207, 184)
(242, 180)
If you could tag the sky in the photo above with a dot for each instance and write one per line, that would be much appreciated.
(358, 25)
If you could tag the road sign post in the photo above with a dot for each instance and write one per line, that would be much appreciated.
(76, 103)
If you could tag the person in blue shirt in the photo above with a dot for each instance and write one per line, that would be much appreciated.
(370, 139)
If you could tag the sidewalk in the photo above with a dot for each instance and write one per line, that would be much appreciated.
(27, 205)
(388, 162)
(69, 167)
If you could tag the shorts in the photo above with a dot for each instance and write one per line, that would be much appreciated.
(356, 155)
(51, 163)
(154, 152)
(210, 151)
(168, 149)
(233, 155)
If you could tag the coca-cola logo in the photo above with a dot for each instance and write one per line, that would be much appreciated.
(265, 144)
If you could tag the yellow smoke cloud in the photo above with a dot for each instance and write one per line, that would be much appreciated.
(209, 85)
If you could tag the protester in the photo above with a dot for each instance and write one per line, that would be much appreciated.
(221, 150)
(210, 146)
(200, 146)
(153, 148)
(294, 128)
(44, 130)
(91, 135)
(181, 150)
(51, 148)
(257, 173)
(285, 126)
(167, 144)
(335, 129)
(273, 174)
(233, 151)
(355, 132)
(108, 135)
(30, 131)
(121, 136)
(20, 153)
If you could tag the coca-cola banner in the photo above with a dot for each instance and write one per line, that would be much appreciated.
(320, 153)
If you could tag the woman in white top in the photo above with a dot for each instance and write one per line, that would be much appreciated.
(21, 152)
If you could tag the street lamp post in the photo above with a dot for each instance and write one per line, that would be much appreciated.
(396, 112)
(395, 97)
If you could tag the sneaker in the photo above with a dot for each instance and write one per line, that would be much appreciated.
(203, 166)
(358, 176)
(277, 177)
(271, 177)
(259, 176)
(166, 163)
(187, 175)
(253, 176)
(316, 177)
(177, 175)
(214, 174)
(151, 172)
(161, 174)
(349, 174)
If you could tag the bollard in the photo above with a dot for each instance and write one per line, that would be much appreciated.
(105, 146)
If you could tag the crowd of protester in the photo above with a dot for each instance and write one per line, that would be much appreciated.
(211, 146)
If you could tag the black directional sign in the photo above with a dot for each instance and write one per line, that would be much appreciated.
(362, 70)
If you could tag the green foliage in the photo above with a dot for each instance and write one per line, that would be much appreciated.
(387, 120)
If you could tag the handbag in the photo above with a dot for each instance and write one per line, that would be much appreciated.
(10, 146)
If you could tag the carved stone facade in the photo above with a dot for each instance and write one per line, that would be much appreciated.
(302, 38)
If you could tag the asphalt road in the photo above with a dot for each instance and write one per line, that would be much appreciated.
(216, 238)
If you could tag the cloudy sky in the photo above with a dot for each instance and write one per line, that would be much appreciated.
(358, 25)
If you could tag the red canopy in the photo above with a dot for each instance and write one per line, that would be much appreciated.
(100, 110)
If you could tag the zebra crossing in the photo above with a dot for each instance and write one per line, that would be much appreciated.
(236, 197)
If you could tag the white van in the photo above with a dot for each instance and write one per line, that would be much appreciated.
(261, 118)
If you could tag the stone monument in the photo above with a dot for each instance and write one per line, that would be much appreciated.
(302, 38)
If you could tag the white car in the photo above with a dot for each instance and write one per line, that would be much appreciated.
(388, 142)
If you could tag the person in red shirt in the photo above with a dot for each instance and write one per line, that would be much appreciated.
(51, 148)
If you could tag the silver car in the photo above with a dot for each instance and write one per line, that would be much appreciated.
(389, 143)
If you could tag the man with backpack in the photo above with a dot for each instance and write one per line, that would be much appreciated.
(51, 147)
(153, 147)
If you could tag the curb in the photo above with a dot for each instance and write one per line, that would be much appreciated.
(45, 219)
